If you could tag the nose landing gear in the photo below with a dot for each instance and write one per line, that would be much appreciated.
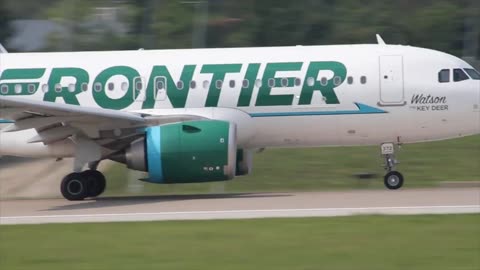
(393, 179)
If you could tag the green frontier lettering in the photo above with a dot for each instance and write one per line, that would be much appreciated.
(23, 88)
(80, 75)
(218, 72)
(161, 77)
(127, 99)
(338, 70)
(178, 97)
(265, 98)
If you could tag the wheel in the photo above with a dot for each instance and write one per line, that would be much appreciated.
(393, 180)
(95, 182)
(74, 187)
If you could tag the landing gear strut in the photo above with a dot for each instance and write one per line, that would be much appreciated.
(393, 179)
(78, 186)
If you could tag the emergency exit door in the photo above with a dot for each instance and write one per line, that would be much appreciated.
(391, 80)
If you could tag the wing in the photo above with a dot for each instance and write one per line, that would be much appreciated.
(54, 122)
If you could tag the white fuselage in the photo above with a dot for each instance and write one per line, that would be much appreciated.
(295, 96)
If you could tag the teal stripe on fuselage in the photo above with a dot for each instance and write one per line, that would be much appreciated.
(362, 109)
(5, 121)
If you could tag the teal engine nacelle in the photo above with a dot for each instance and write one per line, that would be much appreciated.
(188, 152)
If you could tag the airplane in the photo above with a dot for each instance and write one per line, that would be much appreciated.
(198, 115)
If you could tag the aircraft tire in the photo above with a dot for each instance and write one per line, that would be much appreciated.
(96, 182)
(393, 180)
(74, 187)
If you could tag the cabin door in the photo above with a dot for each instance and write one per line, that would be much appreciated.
(391, 80)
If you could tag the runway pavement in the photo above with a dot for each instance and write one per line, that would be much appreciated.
(237, 206)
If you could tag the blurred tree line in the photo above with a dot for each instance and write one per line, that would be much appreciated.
(447, 25)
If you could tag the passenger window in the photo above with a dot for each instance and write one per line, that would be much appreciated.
(444, 76)
(160, 84)
(258, 83)
(111, 86)
(18, 88)
(71, 88)
(298, 81)
(231, 83)
(245, 83)
(284, 82)
(139, 85)
(271, 82)
(473, 73)
(45, 88)
(459, 75)
(84, 87)
(4, 89)
(337, 81)
(31, 88)
(363, 80)
(124, 87)
(193, 84)
(323, 81)
(205, 84)
(310, 81)
(97, 87)
(180, 85)
(219, 84)
(58, 88)
(350, 80)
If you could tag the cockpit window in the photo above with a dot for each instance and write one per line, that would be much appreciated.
(473, 73)
(444, 76)
(459, 75)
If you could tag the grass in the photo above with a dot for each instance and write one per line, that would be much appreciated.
(360, 242)
(423, 165)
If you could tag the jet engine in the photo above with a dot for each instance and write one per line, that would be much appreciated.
(187, 152)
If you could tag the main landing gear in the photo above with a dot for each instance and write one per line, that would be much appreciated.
(393, 179)
(78, 186)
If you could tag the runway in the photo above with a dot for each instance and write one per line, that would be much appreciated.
(238, 206)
